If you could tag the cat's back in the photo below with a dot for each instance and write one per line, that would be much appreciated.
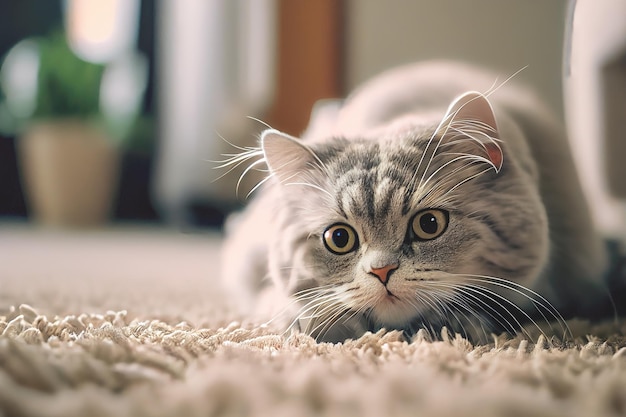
(425, 89)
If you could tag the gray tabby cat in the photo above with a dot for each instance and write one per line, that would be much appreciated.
(428, 198)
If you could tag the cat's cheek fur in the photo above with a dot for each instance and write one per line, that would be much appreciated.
(329, 269)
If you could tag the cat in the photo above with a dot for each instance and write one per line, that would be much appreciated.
(432, 196)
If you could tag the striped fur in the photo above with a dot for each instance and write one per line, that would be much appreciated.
(405, 142)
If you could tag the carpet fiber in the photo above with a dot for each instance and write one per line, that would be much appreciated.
(131, 323)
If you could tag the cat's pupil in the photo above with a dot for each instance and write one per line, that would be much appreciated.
(428, 223)
(341, 237)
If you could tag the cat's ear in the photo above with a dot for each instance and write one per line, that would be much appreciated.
(286, 156)
(472, 111)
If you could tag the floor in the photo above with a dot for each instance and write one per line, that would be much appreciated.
(59, 271)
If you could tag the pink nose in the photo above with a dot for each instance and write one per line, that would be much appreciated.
(384, 272)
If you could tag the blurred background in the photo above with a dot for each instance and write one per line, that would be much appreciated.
(118, 111)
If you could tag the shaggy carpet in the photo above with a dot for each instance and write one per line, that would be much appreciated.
(132, 323)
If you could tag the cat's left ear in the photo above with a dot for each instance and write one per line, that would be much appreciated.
(286, 156)
(473, 110)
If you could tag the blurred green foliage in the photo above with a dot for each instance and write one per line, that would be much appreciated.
(67, 85)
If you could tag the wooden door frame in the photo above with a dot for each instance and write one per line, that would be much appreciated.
(310, 64)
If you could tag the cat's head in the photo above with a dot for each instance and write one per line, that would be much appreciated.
(410, 223)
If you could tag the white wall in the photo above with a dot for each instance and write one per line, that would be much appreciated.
(504, 34)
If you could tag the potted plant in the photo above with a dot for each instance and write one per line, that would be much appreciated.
(68, 153)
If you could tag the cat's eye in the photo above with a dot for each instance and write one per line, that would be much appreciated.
(340, 239)
(429, 224)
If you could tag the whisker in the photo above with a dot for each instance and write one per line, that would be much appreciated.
(233, 163)
(313, 295)
(260, 121)
(456, 299)
(465, 290)
(304, 311)
(539, 302)
(248, 169)
(329, 316)
(256, 187)
(463, 181)
(534, 297)
(452, 161)
(495, 86)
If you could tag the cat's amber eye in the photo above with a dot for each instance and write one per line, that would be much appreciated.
(429, 224)
(340, 239)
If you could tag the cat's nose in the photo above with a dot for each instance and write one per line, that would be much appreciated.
(384, 272)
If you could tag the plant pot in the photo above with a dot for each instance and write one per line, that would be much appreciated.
(69, 172)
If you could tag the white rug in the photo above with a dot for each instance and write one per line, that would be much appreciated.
(131, 323)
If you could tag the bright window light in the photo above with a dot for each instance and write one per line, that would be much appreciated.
(99, 31)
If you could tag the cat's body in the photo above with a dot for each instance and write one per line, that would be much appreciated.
(417, 204)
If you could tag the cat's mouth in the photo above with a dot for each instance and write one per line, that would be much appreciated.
(391, 296)
(389, 310)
